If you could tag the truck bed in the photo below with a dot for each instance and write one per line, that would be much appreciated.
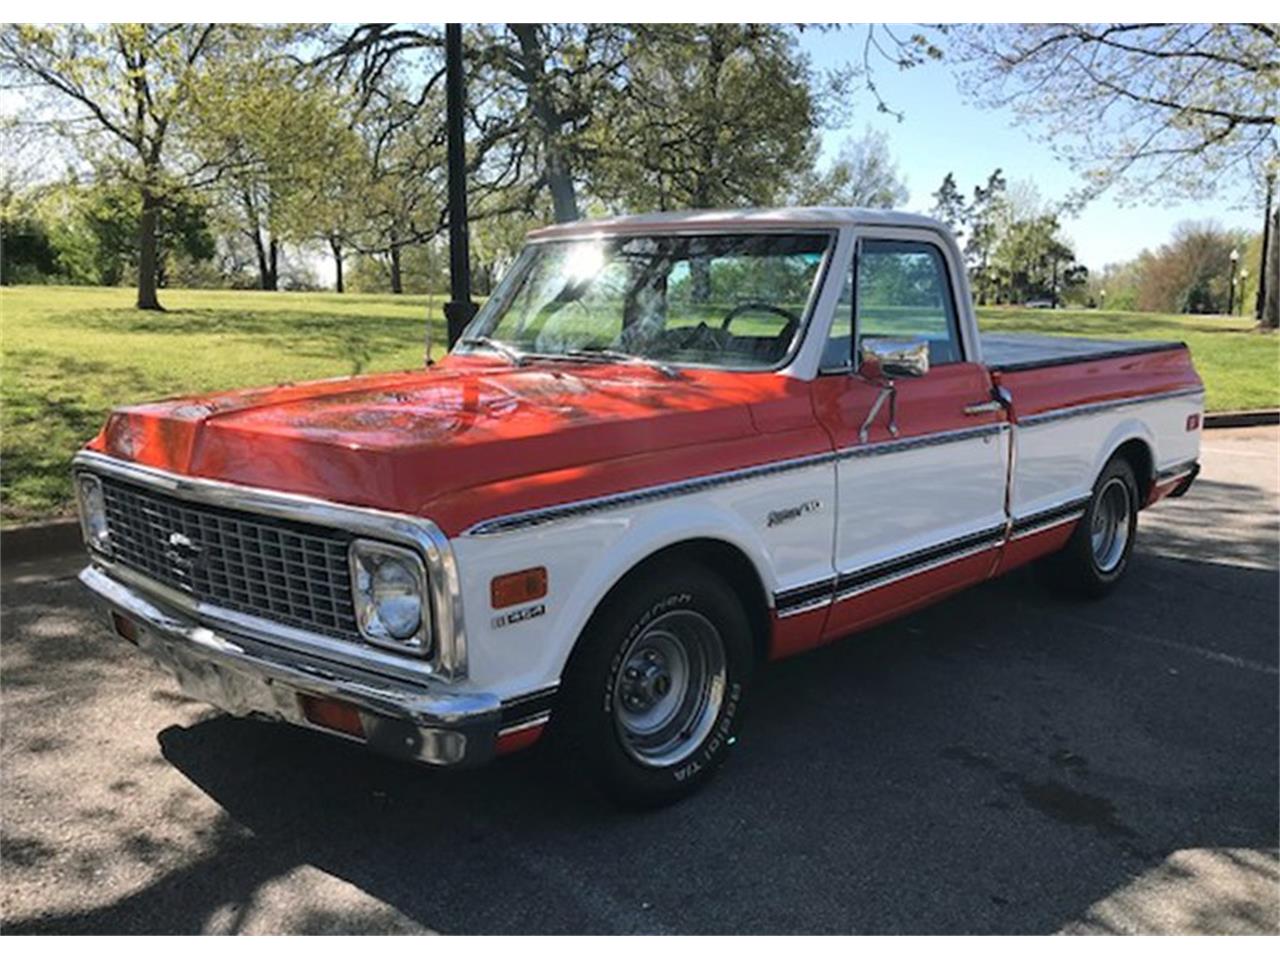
(1028, 351)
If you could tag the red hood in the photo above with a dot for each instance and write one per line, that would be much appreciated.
(459, 442)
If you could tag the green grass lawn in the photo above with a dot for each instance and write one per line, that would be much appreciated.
(71, 353)
(1240, 367)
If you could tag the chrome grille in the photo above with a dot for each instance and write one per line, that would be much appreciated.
(288, 572)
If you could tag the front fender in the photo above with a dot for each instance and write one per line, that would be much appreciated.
(587, 555)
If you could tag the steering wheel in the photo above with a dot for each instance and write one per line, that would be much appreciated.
(793, 319)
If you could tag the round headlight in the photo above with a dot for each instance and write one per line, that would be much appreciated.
(397, 598)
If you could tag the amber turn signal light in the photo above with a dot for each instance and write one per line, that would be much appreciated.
(332, 715)
(519, 587)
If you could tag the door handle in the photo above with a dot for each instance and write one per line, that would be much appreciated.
(978, 409)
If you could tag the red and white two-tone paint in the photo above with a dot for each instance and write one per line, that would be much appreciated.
(668, 449)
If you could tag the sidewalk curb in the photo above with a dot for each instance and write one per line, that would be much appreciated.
(39, 541)
(1241, 418)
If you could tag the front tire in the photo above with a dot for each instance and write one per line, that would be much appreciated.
(654, 693)
(1097, 556)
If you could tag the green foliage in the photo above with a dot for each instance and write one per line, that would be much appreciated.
(863, 174)
(715, 115)
(125, 97)
(1012, 243)
(1181, 109)
(26, 255)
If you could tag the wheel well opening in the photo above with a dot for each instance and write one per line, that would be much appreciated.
(728, 562)
(1138, 455)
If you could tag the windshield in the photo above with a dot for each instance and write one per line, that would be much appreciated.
(723, 300)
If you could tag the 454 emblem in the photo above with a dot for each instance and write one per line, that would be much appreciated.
(519, 616)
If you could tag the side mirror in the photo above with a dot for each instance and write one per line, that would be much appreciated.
(882, 359)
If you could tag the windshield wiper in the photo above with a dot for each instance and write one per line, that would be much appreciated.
(618, 356)
(516, 358)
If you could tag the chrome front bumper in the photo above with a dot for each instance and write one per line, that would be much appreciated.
(246, 677)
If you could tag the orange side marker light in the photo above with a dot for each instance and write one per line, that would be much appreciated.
(519, 587)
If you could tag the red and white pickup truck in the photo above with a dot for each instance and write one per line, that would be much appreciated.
(668, 449)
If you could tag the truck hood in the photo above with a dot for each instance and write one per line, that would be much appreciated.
(467, 428)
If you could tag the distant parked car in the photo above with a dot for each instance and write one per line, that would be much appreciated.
(1039, 304)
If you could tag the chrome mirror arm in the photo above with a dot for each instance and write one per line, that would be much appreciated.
(887, 392)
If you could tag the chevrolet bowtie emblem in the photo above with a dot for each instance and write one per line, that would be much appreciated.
(183, 541)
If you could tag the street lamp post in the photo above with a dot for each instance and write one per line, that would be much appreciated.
(1266, 239)
(1244, 275)
(1231, 286)
(460, 308)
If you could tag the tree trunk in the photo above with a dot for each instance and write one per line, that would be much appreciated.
(268, 260)
(396, 285)
(148, 226)
(1271, 305)
(559, 176)
(336, 246)
(564, 203)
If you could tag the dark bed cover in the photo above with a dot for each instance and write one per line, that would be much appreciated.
(1026, 351)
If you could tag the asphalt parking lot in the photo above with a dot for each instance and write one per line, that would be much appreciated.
(1005, 762)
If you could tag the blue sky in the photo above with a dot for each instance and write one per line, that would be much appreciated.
(941, 133)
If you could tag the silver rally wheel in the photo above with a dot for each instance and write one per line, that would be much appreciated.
(669, 688)
(1112, 522)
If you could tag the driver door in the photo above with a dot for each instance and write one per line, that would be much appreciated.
(920, 494)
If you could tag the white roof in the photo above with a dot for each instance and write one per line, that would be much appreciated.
(770, 218)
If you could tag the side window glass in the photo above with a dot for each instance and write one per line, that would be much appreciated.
(836, 354)
(904, 293)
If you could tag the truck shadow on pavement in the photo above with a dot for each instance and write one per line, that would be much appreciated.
(1001, 763)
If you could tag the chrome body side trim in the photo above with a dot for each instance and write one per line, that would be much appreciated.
(1176, 471)
(918, 561)
(892, 578)
(420, 720)
(924, 440)
(523, 711)
(1083, 410)
(1048, 523)
(829, 590)
(541, 515)
(449, 657)
(1050, 516)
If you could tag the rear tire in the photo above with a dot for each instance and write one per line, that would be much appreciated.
(654, 693)
(1096, 557)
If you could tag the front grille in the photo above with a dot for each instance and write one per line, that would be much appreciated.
(292, 573)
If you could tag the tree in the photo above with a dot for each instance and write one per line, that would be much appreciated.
(986, 216)
(712, 115)
(950, 207)
(290, 152)
(103, 229)
(1191, 273)
(1033, 261)
(533, 91)
(1176, 110)
(120, 92)
(863, 174)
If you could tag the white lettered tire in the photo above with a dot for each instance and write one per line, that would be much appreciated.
(654, 693)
